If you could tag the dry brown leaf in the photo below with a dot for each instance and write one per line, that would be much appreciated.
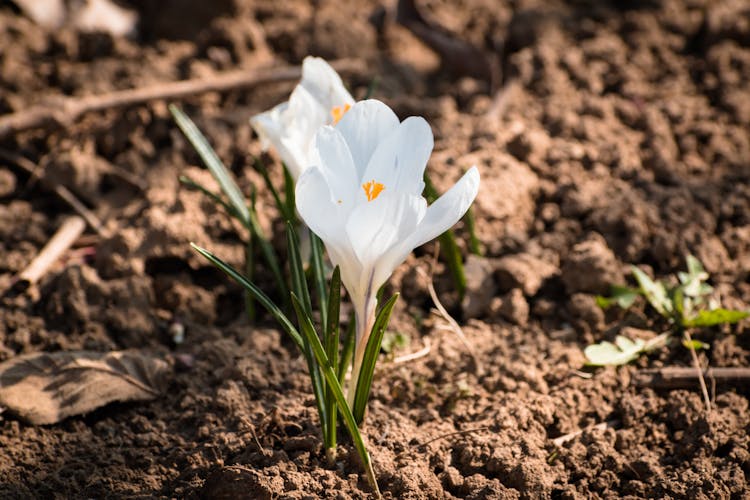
(45, 388)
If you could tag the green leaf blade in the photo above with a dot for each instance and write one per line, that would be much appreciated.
(212, 161)
(621, 296)
(335, 386)
(715, 317)
(622, 352)
(299, 282)
(654, 291)
(256, 292)
(372, 350)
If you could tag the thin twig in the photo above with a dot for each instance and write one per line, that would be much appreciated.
(570, 437)
(698, 370)
(62, 111)
(501, 99)
(129, 177)
(414, 355)
(62, 240)
(454, 326)
(251, 429)
(451, 434)
(680, 377)
(61, 191)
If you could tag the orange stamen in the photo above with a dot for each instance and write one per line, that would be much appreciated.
(372, 189)
(338, 112)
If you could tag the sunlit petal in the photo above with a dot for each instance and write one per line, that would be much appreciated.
(364, 127)
(317, 207)
(336, 164)
(290, 127)
(325, 85)
(401, 157)
(364, 200)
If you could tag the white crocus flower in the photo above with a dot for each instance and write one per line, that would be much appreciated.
(319, 99)
(363, 197)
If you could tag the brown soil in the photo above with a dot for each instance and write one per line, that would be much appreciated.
(622, 136)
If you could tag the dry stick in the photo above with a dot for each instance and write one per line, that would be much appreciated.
(414, 355)
(444, 313)
(128, 177)
(698, 370)
(63, 111)
(569, 437)
(501, 99)
(62, 240)
(64, 193)
(451, 434)
(680, 377)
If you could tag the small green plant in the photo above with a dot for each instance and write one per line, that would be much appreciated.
(686, 305)
(231, 199)
(369, 216)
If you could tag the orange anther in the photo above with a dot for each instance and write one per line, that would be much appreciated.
(372, 189)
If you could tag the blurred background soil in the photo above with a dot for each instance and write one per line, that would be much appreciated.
(607, 133)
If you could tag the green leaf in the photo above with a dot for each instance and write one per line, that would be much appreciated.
(332, 325)
(335, 386)
(695, 344)
(655, 292)
(299, 289)
(475, 246)
(331, 344)
(280, 205)
(622, 296)
(348, 349)
(319, 278)
(369, 359)
(693, 282)
(695, 268)
(682, 304)
(623, 351)
(214, 164)
(715, 317)
(448, 246)
(289, 195)
(249, 273)
(256, 292)
(268, 252)
(299, 283)
(192, 184)
(454, 260)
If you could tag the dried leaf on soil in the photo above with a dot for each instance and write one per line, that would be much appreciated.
(45, 388)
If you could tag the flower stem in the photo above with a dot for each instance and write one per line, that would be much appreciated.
(365, 316)
(331, 454)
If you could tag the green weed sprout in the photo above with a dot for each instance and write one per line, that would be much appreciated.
(685, 305)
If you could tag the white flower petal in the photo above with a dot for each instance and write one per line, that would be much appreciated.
(335, 162)
(376, 224)
(325, 85)
(268, 125)
(291, 126)
(440, 216)
(375, 227)
(365, 126)
(316, 206)
(448, 209)
(400, 159)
